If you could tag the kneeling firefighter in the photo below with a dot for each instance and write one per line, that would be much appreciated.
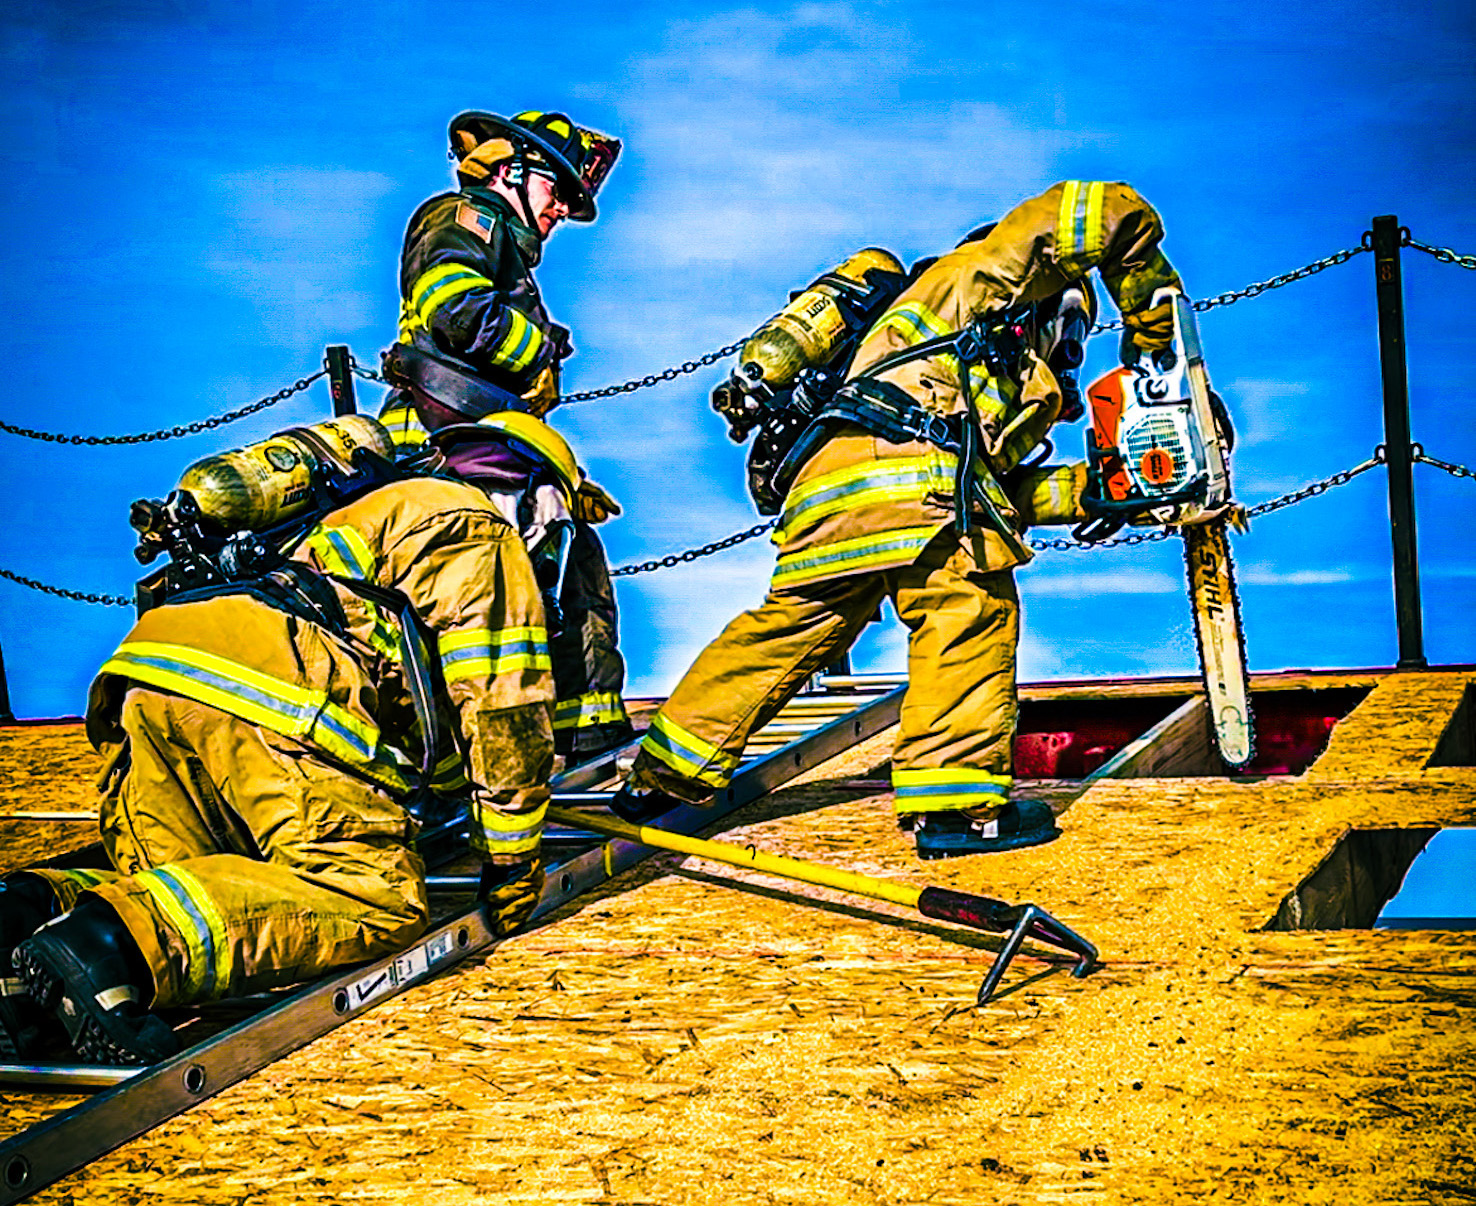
(908, 479)
(264, 734)
(475, 339)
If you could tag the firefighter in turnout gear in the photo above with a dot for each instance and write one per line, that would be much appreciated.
(475, 339)
(930, 517)
(259, 753)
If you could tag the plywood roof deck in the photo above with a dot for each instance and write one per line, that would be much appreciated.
(692, 1034)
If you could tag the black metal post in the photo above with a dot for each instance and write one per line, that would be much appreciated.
(5, 714)
(1390, 287)
(340, 380)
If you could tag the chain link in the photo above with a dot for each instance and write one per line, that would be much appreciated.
(717, 546)
(76, 596)
(650, 379)
(1444, 254)
(1312, 491)
(1276, 282)
(169, 433)
(1418, 454)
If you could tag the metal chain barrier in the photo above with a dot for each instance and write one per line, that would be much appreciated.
(1444, 254)
(1316, 488)
(717, 546)
(1043, 545)
(76, 596)
(1417, 453)
(169, 433)
(1260, 287)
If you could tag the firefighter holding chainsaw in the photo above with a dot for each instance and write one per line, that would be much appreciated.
(476, 339)
(261, 738)
(913, 482)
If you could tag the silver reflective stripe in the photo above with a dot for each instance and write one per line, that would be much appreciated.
(111, 998)
(14, 988)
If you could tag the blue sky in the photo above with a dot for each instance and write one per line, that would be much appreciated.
(198, 197)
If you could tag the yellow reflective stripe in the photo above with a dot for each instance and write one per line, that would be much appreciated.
(899, 479)
(435, 287)
(449, 772)
(916, 323)
(343, 551)
(521, 343)
(484, 653)
(496, 832)
(409, 322)
(992, 397)
(82, 877)
(897, 547)
(272, 703)
(1080, 235)
(404, 426)
(948, 788)
(688, 754)
(591, 708)
(192, 914)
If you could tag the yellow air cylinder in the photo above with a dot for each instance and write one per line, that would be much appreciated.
(808, 332)
(267, 483)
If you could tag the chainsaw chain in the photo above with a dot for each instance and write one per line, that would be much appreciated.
(169, 433)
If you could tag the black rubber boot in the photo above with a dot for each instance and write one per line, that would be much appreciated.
(640, 807)
(26, 904)
(586, 745)
(949, 834)
(86, 967)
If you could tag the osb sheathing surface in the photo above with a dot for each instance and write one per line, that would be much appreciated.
(695, 1035)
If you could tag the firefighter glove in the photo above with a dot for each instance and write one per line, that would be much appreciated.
(510, 893)
(592, 504)
(1151, 329)
(560, 342)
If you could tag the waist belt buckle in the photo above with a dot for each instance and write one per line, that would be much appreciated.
(933, 428)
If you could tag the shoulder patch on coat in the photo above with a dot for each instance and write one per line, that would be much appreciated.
(474, 220)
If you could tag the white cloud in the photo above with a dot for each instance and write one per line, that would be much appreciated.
(1110, 582)
(1265, 411)
(1265, 576)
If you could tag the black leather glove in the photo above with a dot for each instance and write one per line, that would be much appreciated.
(561, 344)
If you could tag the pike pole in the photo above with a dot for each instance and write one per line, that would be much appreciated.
(941, 904)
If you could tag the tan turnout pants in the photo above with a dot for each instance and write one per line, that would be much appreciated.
(244, 860)
(954, 747)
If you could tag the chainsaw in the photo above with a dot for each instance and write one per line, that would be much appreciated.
(1158, 453)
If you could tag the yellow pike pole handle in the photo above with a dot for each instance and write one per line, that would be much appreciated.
(942, 904)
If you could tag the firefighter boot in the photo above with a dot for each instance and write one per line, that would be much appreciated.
(947, 834)
(638, 807)
(26, 904)
(86, 966)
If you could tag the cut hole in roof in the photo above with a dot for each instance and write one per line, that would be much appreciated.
(1438, 892)
(1457, 745)
(1387, 879)
(1169, 736)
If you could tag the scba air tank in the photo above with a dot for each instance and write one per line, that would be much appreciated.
(811, 330)
(269, 482)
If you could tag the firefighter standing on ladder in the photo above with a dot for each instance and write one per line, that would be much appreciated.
(475, 340)
(868, 518)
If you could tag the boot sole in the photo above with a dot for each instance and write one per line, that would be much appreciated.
(966, 846)
(98, 1035)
